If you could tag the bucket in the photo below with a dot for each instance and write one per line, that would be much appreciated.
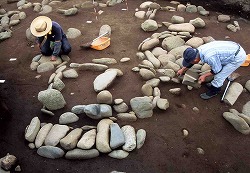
(247, 61)
(101, 43)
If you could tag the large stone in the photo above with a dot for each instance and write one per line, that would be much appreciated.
(150, 44)
(43, 132)
(33, 129)
(153, 59)
(68, 117)
(69, 142)
(82, 154)
(246, 109)
(233, 93)
(170, 43)
(52, 99)
(56, 133)
(87, 140)
(50, 152)
(183, 27)
(142, 106)
(146, 74)
(238, 122)
(103, 80)
(117, 138)
(149, 25)
(130, 138)
(102, 137)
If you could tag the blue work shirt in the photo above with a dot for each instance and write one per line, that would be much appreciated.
(218, 54)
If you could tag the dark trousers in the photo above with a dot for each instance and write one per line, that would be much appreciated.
(65, 48)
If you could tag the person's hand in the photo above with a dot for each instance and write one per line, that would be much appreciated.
(202, 79)
(180, 72)
(53, 58)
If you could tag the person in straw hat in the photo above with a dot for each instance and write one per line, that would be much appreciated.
(224, 57)
(56, 42)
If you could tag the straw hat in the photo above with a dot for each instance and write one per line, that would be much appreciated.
(40, 26)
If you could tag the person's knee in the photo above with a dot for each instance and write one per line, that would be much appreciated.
(45, 52)
(67, 49)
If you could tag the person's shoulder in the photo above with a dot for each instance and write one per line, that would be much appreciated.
(55, 24)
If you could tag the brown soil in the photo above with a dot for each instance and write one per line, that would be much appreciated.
(165, 149)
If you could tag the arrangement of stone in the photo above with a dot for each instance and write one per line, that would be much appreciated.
(8, 162)
(161, 56)
(162, 53)
(13, 18)
(240, 121)
(58, 140)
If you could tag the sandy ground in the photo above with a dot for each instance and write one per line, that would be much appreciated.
(165, 149)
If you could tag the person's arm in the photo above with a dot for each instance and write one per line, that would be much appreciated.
(57, 48)
(57, 30)
(202, 78)
(39, 41)
(182, 71)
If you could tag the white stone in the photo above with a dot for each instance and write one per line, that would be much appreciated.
(130, 138)
(33, 129)
(88, 140)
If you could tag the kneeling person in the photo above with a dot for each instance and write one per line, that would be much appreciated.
(56, 43)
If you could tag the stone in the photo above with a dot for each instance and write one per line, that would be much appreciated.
(56, 133)
(58, 84)
(44, 67)
(198, 22)
(130, 138)
(140, 14)
(87, 141)
(105, 61)
(52, 99)
(140, 138)
(147, 90)
(43, 132)
(8, 162)
(70, 73)
(150, 56)
(175, 91)
(78, 109)
(50, 152)
(82, 154)
(170, 43)
(102, 137)
(162, 104)
(127, 116)
(185, 132)
(182, 27)
(177, 19)
(246, 109)
(234, 91)
(70, 141)
(146, 74)
(247, 85)
(238, 123)
(223, 18)
(118, 154)
(149, 25)
(151, 43)
(121, 108)
(195, 42)
(68, 117)
(117, 137)
(103, 80)
(105, 29)
(142, 107)
(33, 129)
(104, 97)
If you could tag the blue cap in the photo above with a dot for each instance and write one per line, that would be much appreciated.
(189, 55)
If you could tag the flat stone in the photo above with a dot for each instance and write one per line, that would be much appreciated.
(82, 154)
(33, 129)
(50, 152)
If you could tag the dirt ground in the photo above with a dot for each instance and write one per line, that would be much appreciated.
(165, 149)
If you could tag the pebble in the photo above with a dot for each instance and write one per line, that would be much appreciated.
(185, 132)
